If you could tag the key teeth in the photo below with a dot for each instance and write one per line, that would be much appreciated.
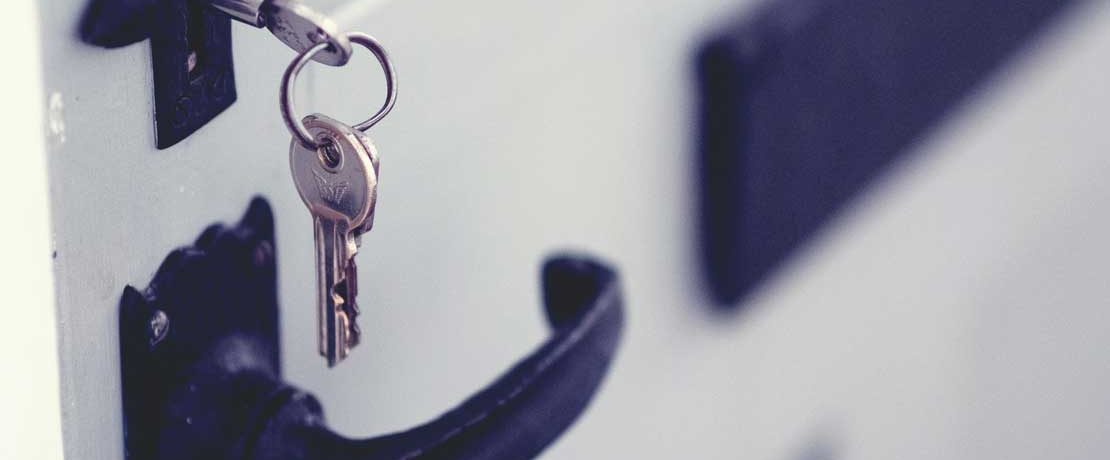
(347, 309)
(344, 347)
(344, 294)
(353, 334)
(350, 307)
(348, 313)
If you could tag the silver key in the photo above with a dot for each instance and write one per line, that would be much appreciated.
(338, 182)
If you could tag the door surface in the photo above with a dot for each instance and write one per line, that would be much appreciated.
(956, 311)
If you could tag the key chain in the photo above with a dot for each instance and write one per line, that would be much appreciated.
(335, 171)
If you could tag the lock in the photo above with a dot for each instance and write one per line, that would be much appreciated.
(194, 75)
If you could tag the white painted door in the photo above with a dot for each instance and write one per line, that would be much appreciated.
(955, 312)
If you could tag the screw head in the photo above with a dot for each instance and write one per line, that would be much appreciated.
(263, 252)
(159, 327)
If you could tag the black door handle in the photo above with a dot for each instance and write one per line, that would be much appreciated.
(201, 377)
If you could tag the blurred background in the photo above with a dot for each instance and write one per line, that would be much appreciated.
(845, 230)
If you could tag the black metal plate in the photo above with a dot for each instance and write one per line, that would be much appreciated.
(194, 79)
(185, 100)
(218, 299)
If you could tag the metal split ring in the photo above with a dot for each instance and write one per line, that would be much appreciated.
(288, 105)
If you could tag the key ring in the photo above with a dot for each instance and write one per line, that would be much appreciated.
(288, 105)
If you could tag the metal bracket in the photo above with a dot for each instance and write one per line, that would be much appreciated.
(209, 314)
(194, 79)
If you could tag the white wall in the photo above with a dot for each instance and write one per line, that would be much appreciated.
(953, 313)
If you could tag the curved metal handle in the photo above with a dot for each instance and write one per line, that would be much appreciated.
(201, 376)
(518, 415)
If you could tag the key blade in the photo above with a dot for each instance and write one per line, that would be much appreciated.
(333, 257)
